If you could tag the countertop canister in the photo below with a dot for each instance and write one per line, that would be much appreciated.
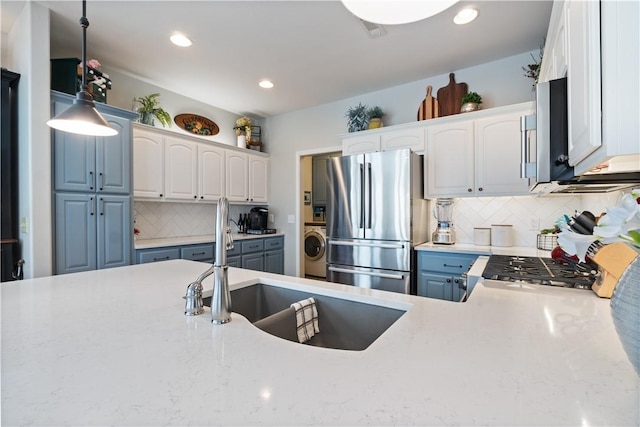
(501, 235)
(481, 236)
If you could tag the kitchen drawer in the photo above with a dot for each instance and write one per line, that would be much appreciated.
(273, 243)
(253, 245)
(237, 250)
(449, 263)
(197, 252)
(154, 255)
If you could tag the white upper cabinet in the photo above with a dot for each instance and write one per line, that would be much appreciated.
(169, 166)
(583, 78)
(246, 177)
(358, 144)
(476, 154)
(449, 162)
(148, 164)
(211, 172)
(412, 138)
(554, 62)
(181, 169)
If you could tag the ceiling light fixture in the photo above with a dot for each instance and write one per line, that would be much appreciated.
(465, 16)
(82, 117)
(390, 12)
(180, 40)
(265, 84)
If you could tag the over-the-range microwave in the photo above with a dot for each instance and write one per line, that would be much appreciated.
(551, 172)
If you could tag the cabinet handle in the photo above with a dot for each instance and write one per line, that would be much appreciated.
(480, 189)
(92, 207)
(199, 253)
(160, 259)
(201, 197)
(101, 180)
(469, 190)
(451, 265)
(195, 197)
(448, 280)
(160, 194)
(101, 206)
(92, 180)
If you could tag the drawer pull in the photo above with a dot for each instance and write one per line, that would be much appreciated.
(199, 253)
(160, 259)
(451, 265)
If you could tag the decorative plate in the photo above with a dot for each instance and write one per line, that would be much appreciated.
(196, 124)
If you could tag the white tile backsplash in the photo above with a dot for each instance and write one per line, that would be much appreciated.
(518, 211)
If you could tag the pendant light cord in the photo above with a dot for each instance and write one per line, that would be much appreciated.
(84, 23)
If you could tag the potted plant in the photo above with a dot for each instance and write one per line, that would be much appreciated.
(532, 71)
(243, 131)
(150, 108)
(357, 118)
(375, 115)
(470, 102)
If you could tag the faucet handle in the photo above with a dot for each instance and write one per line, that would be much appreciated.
(229, 242)
(194, 304)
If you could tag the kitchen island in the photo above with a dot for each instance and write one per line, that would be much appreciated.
(114, 347)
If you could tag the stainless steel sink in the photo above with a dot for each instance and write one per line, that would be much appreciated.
(344, 324)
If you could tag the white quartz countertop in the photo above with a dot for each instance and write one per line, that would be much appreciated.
(113, 347)
(468, 248)
(194, 240)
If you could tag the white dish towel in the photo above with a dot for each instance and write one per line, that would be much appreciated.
(306, 319)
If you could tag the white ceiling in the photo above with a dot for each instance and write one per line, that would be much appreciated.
(314, 51)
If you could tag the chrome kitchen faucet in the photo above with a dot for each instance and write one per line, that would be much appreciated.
(221, 298)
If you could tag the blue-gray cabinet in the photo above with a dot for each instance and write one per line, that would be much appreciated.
(260, 254)
(440, 274)
(92, 194)
(90, 231)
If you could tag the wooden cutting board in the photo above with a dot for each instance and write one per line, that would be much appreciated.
(450, 96)
(429, 107)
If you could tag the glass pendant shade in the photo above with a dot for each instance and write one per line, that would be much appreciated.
(82, 117)
(390, 12)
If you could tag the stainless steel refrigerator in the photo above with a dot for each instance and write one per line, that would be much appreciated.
(375, 216)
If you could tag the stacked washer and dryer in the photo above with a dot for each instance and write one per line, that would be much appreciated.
(315, 258)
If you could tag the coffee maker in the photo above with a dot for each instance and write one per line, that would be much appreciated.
(443, 213)
(258, 218)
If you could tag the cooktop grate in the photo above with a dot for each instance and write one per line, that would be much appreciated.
(542, 271)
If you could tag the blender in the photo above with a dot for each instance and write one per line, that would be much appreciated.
(443, 213)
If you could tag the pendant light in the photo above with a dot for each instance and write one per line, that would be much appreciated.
(394, 12)
(82, 117)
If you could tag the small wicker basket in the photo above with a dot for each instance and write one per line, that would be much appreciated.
(547, 241)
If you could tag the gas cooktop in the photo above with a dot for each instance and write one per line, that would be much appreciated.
(541, 271)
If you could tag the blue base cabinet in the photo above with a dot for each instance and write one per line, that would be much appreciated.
(440, 274)
(260, 254)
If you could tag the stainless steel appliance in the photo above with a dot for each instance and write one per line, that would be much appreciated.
(443, 213)
(541, 271)
(375, 215)
(550, 171)
(258, 218)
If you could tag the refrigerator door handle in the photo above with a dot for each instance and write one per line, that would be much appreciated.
(369, 195)
(362, 201)
(370, 245)
(367, 273)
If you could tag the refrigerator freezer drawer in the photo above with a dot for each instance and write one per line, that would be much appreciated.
(371, 278)
(370, 253)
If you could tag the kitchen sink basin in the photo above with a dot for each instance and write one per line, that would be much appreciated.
(343, 324)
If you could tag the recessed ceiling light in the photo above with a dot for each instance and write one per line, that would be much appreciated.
(180, 40)
(465, 16)
(265, 84)
(393, 12)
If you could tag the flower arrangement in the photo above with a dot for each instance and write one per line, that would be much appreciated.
(93, 63)
(243, 124)
(619, 224)
(533, 70)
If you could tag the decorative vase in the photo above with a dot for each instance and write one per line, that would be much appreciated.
(625, 310)
(242, 141)
(375, 123)
(469, 106)
(146, 118)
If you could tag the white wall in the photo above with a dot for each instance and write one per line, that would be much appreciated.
(28, 45)
(499, 83)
